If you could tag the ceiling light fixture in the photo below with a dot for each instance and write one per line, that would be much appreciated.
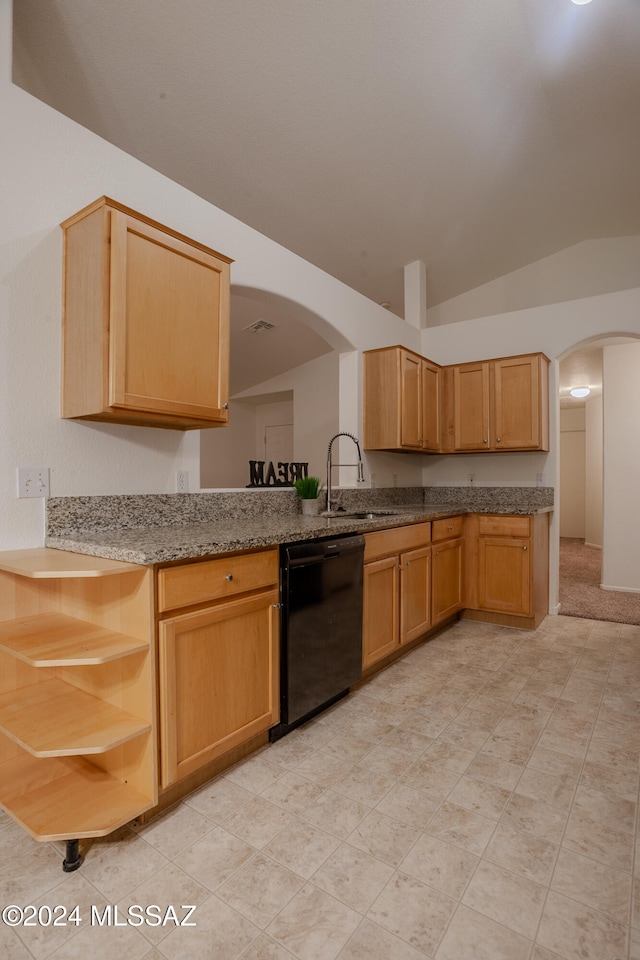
(580, 2)
(580, 391)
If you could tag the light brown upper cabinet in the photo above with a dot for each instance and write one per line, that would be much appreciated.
(145, 323)
(497, 405)
(401, 401)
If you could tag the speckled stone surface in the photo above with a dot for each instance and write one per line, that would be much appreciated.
(150, 529)
(65, 514)
(493, 499)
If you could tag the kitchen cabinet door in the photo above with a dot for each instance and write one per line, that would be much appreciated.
(504, 575)
(431, 414)
(219, 680)
(411, 400)
(520, 404)
(447, 593)
(401, 401)
(501, 404)
(381, 619)
(146, 323)
(471, 406)
(415, 592)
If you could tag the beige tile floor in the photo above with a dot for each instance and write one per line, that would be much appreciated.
(475, 801)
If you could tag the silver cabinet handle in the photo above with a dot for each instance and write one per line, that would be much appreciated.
(229, 577)
(485, 441)
(524, 548)
(225, 406)
(498, 439)
(437, 553)
(277, 606)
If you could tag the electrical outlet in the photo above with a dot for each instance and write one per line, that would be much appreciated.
(471, 479)
(541, 480)
(33, 481)
(182, 481)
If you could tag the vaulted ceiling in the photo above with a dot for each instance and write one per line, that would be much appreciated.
(365, 134)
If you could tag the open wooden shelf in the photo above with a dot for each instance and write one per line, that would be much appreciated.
(58, 798)
(48, 564)
(55, 719)
(56, 640)
(78, 752)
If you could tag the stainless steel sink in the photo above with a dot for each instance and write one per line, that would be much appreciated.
(360, 514)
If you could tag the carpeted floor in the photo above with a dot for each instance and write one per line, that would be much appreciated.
(580, 593)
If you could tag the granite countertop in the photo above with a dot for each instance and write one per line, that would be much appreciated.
(183, 541)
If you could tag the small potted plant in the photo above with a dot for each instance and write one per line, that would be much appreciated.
(308, 489)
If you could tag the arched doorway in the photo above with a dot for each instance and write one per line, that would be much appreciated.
(586, 525)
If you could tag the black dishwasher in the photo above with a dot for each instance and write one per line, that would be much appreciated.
(321, 625)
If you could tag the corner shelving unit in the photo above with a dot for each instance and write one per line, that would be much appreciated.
(77, 694)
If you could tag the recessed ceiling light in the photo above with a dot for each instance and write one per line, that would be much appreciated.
(580, 391)
(580, 2)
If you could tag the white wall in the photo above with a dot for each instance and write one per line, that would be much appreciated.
(594, 469)
(572, 472)
(621, 374)
(225, 453)
(316, 407)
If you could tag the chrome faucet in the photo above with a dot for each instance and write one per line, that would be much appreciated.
(359, 464)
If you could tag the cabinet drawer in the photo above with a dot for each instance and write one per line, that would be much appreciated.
(447, 529)
(504, 526)
(383, 543)
(191, 583)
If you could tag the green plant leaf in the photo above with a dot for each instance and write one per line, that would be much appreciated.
(308, 488)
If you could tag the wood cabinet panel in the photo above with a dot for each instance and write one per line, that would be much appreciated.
(471, 406)
(431, 408)
(146, 322)
(447, 579)
(507, 569)
(382, 543)
(411, 400)
(191, 583)
(500, 404)
(381, 621)
(516, 406)
(504, 575)
(503, 526)
(401, 401)
(219, 671)
(415, 593)
(447, 528)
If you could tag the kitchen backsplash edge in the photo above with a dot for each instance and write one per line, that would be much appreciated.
(65, 515)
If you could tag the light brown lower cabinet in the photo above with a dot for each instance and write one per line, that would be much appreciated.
(218, 664)
(415, 593)
(397, 589)
(508, 569)
(447, 568)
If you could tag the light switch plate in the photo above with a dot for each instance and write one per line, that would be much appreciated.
(33, 482)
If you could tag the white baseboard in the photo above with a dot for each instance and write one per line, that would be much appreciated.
(605, 586)
(554, 609)
(598, 546)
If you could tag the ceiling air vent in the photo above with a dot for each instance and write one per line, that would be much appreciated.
(260, 326)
